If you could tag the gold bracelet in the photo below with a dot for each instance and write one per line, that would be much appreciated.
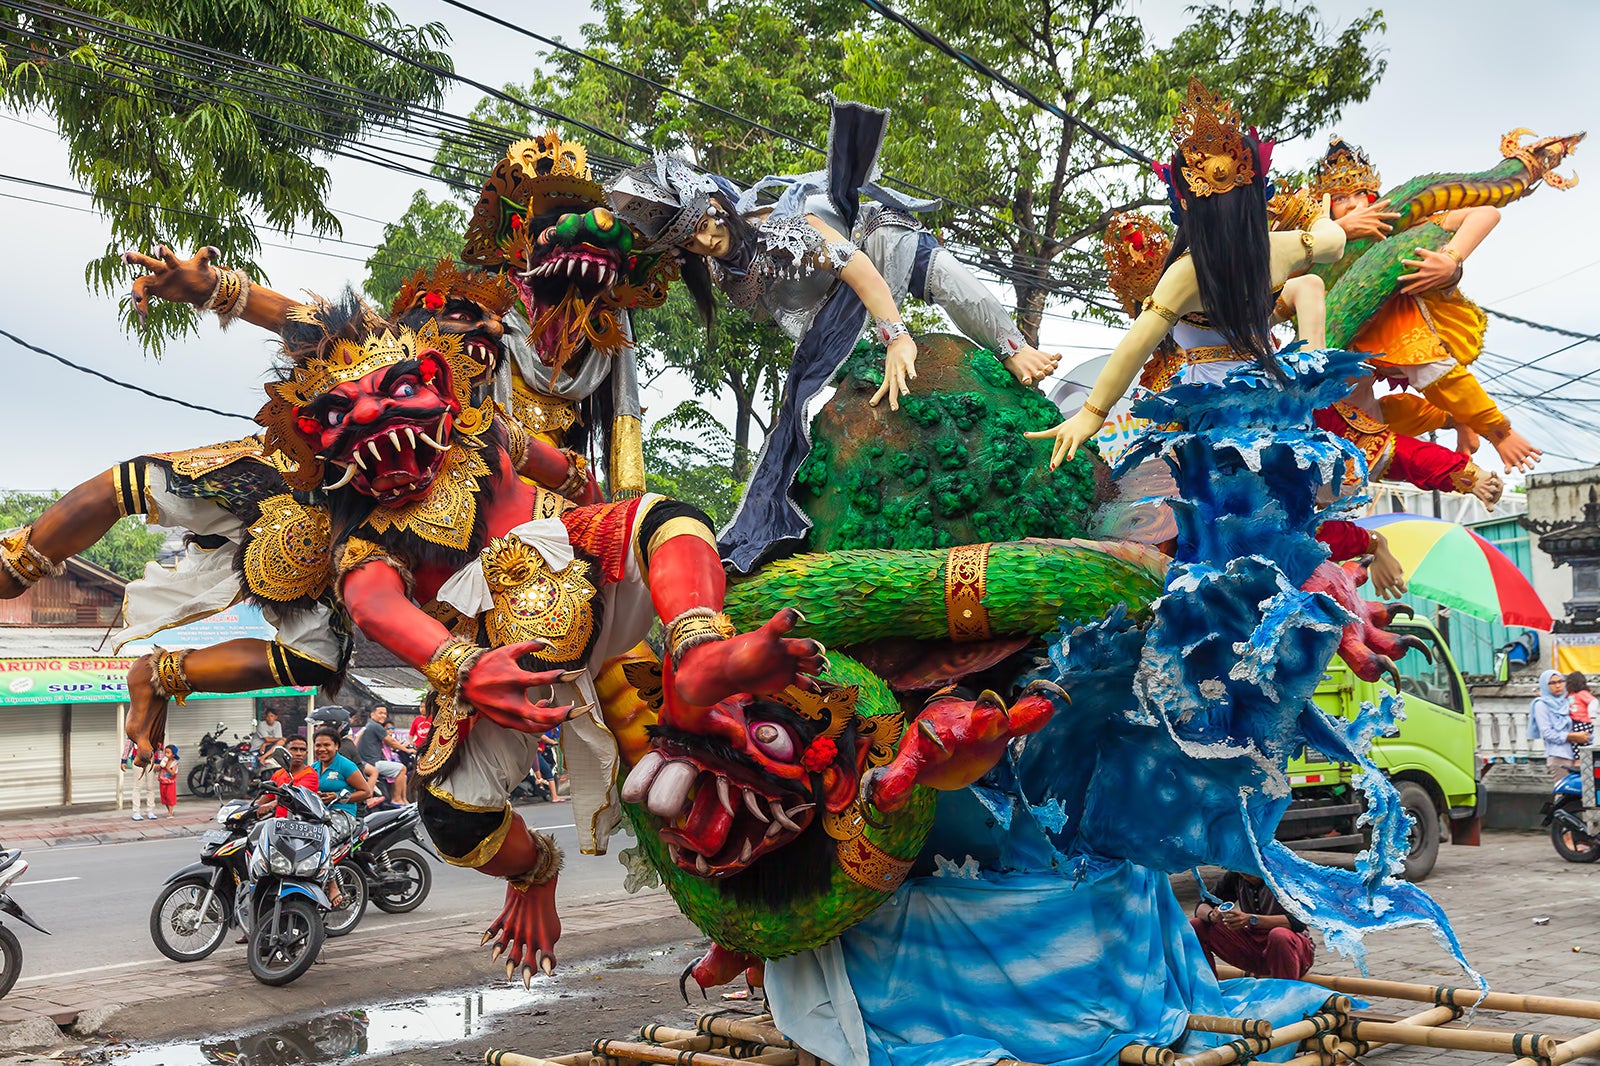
(226, 293)
(694, 627)
(1453, 254)
(1309, 242)
(1165, 312)
(577, 474)
(1098, 412)
(546, 864)
(449, 665)
(168, 675)
(26, 564)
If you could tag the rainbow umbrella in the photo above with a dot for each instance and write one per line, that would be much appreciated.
(1451, 564)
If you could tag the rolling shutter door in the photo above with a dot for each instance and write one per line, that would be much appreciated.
(187, 723)
(96, 748)
(31, 757)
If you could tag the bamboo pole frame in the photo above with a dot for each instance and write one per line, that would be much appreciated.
(1147, 1055)
(1493, 1041)
(1566, 1051)
(1259, 1028)
(1459, 997)
(658, 1053)
(753, 1030)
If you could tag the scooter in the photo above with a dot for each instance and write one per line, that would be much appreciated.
(12, 867)
(1572, 813)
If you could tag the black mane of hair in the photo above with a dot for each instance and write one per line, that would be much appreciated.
(1228, 237)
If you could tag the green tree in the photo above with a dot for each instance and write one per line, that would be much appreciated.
(1047, 188)
(192, 122)
(124, 550)
(429, 230)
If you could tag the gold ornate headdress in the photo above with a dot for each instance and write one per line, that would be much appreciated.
(833, 708)
(1542, 156)
(536, 176)
(1344, 169)
(1135, 249)
(1210, 137)
(344, 359)
(431, 289)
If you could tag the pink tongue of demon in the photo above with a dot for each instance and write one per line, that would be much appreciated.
(706, 828)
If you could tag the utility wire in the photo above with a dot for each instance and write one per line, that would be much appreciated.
(120, 384)
(927, 36)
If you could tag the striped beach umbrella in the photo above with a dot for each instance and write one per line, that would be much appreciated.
(1451, 564)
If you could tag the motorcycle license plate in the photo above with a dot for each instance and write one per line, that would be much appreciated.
(302, 830)
(213, 836)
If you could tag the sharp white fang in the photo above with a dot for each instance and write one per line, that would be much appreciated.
(411, 438)
(746, 851)
(435, 445)
(753, 805)
(701, 865)
(782, 818)
(795, 812)
(349, 472)
(725, 795)
(772, 830)
(583, 269)
(362, 463)
(372, 446)
(394, 439)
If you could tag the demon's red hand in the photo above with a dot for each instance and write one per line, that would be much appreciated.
(1366, 646)
(953, 742)
(527, 930)
(497, 686)
(763, 661)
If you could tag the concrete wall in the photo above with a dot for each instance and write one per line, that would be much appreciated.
(1557, 497)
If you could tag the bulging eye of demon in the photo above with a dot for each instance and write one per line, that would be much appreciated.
(772, 740)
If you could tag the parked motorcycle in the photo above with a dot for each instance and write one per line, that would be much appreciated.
(225, 769)
(12, 867)
(263, 875)
(398, 879)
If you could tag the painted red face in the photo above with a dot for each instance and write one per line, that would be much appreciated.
(385, 435)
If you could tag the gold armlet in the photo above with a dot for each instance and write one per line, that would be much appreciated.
(230, 296)
(546, 864)
(577, 474)
(358, 551)
(516, 442)
(448, 668)
(26, 564)
(1098, 412)
(1309, 242)
(1165, 312)
(168, 676)
(694, 627)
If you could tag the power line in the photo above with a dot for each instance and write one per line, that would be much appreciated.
(120, 384)
(927, 36)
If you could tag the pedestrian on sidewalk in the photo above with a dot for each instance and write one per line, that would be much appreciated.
(167, 777)
(143, 779)
(1550, 720)
(1251, 930)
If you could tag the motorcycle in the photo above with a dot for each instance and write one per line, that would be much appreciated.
(1572, 814)
(263, 875)
(225, 769)
(397, 879)
(331, 1038)
(12, 867)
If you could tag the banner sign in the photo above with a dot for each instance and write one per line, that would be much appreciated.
(25, 682)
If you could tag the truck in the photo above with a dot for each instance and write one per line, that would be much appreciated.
(1432, 760)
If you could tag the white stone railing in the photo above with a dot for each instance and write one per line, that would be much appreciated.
(1504, 735)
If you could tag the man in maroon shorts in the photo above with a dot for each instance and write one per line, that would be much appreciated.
(1251, 930)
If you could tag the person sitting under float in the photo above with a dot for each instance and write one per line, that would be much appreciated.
(1250, 929)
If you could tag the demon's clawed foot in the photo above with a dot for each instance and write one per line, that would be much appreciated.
(719, 966)
(1367, 646)
(955, 741)
(146, 725)
(526, 931)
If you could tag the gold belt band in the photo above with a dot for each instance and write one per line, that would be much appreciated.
(1212, 353)
(966, 579)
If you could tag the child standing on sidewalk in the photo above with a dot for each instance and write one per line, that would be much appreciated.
(167, 776)
(144, 783)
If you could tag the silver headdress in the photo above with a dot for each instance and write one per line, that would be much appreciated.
(663, 198)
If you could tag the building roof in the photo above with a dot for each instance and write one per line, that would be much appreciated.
(399, 687)
(52, 642)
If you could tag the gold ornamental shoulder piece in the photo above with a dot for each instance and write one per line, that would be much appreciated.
(533, 602)
(446, 515)
(197, 461)
(290, 554)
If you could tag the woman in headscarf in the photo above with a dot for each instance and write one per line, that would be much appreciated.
(1550, 720)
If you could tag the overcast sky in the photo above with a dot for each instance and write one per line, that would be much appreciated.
(1458, 78)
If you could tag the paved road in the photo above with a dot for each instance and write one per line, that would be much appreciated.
(96, 899)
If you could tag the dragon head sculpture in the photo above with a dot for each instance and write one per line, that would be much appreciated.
(542, 216)
(1543, 155)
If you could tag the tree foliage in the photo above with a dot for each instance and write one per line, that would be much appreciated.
(193, 122)
(123, 550)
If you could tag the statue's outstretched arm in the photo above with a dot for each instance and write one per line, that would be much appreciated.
(197, 282)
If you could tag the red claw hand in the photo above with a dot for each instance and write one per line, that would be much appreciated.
(763, 661)
(497, 686)
(1366, 646)
(526, 931)
(718, 966)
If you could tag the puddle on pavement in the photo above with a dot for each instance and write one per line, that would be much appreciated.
(341, 1035)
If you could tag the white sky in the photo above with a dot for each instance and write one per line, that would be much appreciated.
(1458, 78)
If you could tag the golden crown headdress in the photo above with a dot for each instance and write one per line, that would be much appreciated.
(1344, 169)
(1210, 136)
(1135, 249)
(432, 289)
(537, 175)
(833, 708)
(346, 359)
